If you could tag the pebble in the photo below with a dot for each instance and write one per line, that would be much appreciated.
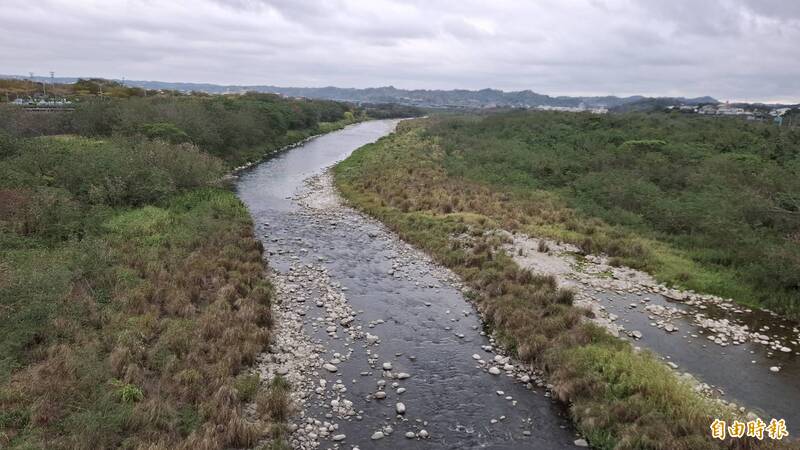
(377, 435)
(581, 443)
(400, 408)
(494, 370)
(410, 434)
(330, 367)
(339, 437)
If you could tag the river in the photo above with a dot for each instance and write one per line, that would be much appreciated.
(426, 328)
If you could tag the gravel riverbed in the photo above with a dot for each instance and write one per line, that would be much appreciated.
(379, 343)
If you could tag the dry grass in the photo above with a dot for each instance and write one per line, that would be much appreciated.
(155, 364)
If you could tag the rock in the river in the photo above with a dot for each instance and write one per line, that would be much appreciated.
(339, 437)
(402, 376)
(410, 434)
(377, 435)
(387, 366)
(329, 367)
(494, 370)
(380, 395)
(423, 434)
(581, 443)
(400, 408)
(774, 369)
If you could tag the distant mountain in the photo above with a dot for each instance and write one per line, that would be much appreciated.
(456, 98)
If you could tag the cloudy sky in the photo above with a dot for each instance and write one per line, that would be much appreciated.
(730, 49)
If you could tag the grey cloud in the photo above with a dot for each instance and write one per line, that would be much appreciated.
(737, 49)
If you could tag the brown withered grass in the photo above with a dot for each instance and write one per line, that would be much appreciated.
(154, 366)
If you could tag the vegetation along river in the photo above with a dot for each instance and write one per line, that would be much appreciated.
(382, 348)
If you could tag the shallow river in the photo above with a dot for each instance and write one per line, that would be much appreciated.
(428, 329)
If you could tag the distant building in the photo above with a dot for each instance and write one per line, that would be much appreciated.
(708, 109)
(730, 111)
(42, 103)
(779, 111)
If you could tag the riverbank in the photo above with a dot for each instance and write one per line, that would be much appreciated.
(132, 295)
(132, 292)
(618, 396)
(295, 140)
(700, 204)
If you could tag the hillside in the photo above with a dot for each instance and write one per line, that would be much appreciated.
(458, 98)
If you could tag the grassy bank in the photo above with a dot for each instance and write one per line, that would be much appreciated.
(706, 204)
(132, 294)
(618, 398)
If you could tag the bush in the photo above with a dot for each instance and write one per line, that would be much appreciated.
(247, 385)
(165, 132)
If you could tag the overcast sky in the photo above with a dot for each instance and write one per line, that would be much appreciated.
(730, 49)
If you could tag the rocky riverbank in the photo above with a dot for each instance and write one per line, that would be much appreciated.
(334, 358)
(615, 294)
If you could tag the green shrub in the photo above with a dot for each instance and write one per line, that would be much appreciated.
(165, 132)
(128, 393)
(247, 385)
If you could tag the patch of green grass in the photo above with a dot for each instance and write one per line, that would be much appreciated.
(247, 386)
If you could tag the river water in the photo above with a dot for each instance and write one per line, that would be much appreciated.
(426, 327)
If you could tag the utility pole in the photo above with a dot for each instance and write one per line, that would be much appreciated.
(33, 86)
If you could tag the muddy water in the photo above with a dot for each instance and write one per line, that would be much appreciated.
(425, 326)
